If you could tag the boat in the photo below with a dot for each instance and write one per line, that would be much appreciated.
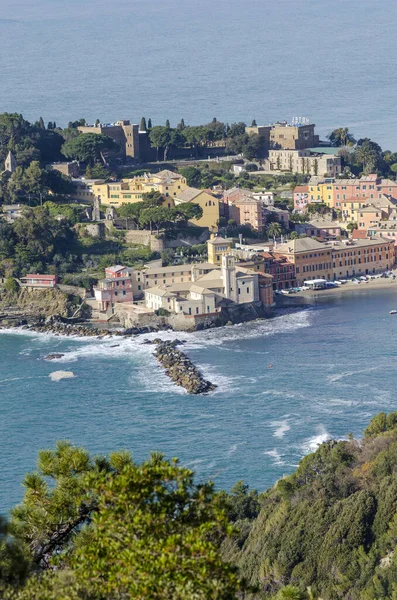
(393, 312)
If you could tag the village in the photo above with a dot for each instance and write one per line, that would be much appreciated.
(259, 243)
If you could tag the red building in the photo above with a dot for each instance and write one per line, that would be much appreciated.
(281, 269)
(39, 281)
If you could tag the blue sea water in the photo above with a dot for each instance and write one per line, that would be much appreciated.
(234, 59)
(333, 367)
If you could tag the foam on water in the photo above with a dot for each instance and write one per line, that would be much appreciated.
(311, 444)
(276, 456)
(281, 428)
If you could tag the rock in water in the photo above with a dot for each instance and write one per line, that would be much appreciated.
(181, 369)
(58, 375)
(53, 356)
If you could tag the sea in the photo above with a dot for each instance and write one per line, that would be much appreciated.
(237, 60)
(285, 385)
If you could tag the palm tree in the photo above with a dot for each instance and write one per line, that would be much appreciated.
(274, 230)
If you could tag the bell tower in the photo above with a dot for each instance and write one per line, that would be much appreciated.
(229, 277)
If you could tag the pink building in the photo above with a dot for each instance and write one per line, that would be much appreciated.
(370, 187)
(39, 281)
(301, 197)
(116, 287)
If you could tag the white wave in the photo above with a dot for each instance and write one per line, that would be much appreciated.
(281, 428)
(276, 456)
(338, 376)
(311, 444)
(234, 447)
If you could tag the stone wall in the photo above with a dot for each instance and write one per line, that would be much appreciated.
(237, 313)
(146, 239)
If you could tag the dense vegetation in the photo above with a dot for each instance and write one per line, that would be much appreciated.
(331, 526)
(107, 528)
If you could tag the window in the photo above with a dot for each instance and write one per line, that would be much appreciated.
(248, 290)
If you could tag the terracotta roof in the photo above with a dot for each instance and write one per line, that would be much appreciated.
(359, 234)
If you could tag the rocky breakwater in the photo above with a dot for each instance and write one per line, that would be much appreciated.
(180, 368)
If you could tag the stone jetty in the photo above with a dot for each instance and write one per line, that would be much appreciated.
(180, 368)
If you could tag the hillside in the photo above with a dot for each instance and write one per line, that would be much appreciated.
(331, 526)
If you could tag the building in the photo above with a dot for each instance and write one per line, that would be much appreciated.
(248, 211)
(10, 163)
(301, 198)
(216, 248)
(123, 133)
(320, 228)
(281, 214)
(208, 203)
(338, 259)
(116, 287)
(38, 281)
(267, 198)
(293, 137)
(207, 293)
(281, 270)
(305, 162)
(85, 189)
(11, 212)
(116, 193)
(69, 169)
(334, 192)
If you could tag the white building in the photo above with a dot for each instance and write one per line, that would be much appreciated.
(206, 293)
(305, 161)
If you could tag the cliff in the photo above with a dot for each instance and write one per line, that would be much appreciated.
(32, 304)
(331, 526)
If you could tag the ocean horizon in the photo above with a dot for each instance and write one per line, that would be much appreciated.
(236, 60)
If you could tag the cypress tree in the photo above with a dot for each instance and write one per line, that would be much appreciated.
(167, 124)
(253, 124)
(41, 123)
(149, 123)
(142, 125)
(214, 120)
(50, 125)
(97, 122)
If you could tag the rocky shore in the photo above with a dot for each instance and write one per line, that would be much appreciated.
(58, 325)
(180, 368)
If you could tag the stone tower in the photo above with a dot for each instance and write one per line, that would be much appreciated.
(229, 277)
(10, 163)
(96, 211)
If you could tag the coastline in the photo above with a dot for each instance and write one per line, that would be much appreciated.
(351, 288)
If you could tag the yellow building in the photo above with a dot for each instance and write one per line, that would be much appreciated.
(208, 202)
(321, 191)
(116, 193)
(216, 248)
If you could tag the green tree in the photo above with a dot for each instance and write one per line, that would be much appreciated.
(341, 137)
(351, 226)
(236, 129)
(254, 124)
(116, 529)
(181, 126)
(89, 147)
(368, 154)
(192, 175)
(142, 126)
(274, 230)
(167, 124)
(11, 285)
(165, 138)
(149, 124)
